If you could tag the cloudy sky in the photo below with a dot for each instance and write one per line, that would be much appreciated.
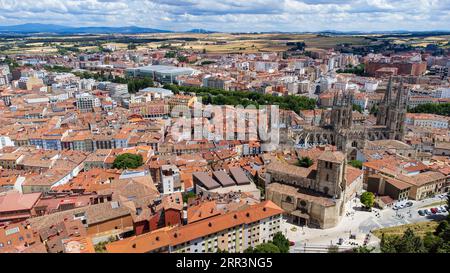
(234, 15)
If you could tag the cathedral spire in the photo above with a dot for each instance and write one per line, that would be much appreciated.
(388, 94)
(399, 98)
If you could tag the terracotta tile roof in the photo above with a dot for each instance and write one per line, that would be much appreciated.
(173, 201)
(423, 178)
(292, 191)
(278, 167)
(202, 211)
(352, 174)
(337, 157)
(175, 236)
(12, 201)
(397, 183)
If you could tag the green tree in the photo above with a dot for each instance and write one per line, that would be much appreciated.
(408, 243)
(356, 163)
(357, 70)
(57, 68)
(441, 228)
(101, 247)
(367, 199)
(188, 195)
(374, 110)
(432, 108)
(432, 243)
(305, 162)
(281, 242)
(363, 249)
(333, 249)
(357, 107)
(170, 54)
(386, 245)
(249, 250)
(182, 59)
(267, 248)
(221, 97)
(128, 161)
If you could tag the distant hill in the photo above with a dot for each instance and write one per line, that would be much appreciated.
(201, 31)
(49, 28)
(32, 28)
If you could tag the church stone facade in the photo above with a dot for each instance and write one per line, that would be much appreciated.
(316, 196)
(339, 129)
(310, 196)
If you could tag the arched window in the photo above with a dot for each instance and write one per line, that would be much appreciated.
(328, 177)
(288, 199)
(326, 190)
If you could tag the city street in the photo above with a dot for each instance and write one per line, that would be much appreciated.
(358, 223)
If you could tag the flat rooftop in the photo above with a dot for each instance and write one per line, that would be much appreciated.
(165, 69)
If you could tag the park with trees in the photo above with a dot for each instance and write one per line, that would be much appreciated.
(216, 96)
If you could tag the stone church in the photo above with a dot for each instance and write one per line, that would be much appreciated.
(316, 196)
(313, 196)
(338, 128)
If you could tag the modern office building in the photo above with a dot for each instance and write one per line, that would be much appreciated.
(161, 73)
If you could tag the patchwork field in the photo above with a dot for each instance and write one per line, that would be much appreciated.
(220, 43)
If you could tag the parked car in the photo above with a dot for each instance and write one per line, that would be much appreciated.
(291, 243)
(428, 212)
(433, 210)
(421, 212)
(409, 204)
(443, 209)
(438, 210)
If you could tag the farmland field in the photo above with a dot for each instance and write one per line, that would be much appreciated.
(219, 43)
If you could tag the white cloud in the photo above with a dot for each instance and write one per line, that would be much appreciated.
(234, 15)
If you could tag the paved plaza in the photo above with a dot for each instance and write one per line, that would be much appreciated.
(358, 223)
